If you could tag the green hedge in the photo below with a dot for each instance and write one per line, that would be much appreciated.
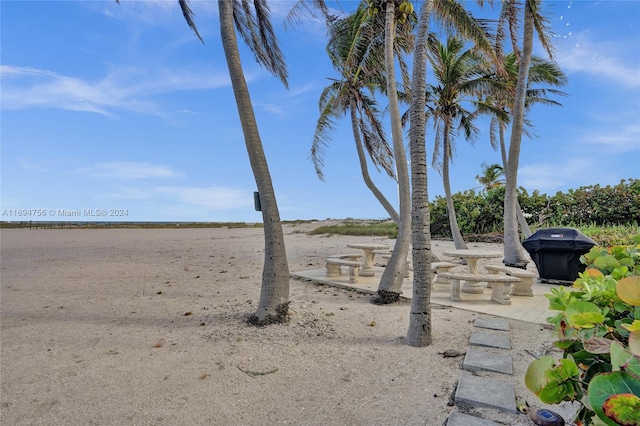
(482, 213)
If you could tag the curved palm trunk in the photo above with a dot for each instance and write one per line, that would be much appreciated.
(503, 148)
(514, 254)
(451, 210)
(419, 333)
(390, 286)
(522, 221)
(365, 170)
(274, 295)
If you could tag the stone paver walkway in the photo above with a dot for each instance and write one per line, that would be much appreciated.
(489, 341)
(482, 391)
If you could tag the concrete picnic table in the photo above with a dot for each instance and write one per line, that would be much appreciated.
(368, 249)
(472, 256)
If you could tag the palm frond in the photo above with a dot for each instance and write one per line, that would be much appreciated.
(325, 125)
(305, 9)
(188, 16)
(253, 23)
(541, 24)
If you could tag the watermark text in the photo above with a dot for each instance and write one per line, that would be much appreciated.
(62, 213)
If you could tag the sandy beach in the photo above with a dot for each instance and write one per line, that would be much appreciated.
(147, 327)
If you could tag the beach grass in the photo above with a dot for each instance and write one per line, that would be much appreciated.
(363, 228)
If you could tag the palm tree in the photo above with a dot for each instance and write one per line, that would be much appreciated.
(354, 54)
(492, 176)
(500, 101)
(514, 253)
(419, 332)
(255, 28)
(389, 289)
(459, 74)
(451, 14)
(499, 105)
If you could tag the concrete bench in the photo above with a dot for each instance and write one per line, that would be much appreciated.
(438, 268)
(334, 263)
(527, 278)
(500, 285)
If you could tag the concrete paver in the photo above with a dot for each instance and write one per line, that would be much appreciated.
(483, 392)
(492, 323)
(481, 338)
(473, 390)
(477, 359)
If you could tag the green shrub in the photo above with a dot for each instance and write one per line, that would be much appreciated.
(588, 206)
(598, 330)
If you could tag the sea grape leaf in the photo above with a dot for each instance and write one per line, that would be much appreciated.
(623, 359)
(627, 261)
(564, 370)
(634, 343)
(564, 344)
(597, 345)
(582, 314)
(634, 326)
(535, 378)
(592, 272)
(606, 262)
(556, 392)
(605, 385)
(623, 408)
(629, 290)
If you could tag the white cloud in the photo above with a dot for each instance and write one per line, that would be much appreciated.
(562, 172)
(624, 137)
(212, 198)
(599, 60)
(129, 170)
(130, 194)
(35, 165)
(272, 108)
(150, 12)
(129, 89)
(301, 90)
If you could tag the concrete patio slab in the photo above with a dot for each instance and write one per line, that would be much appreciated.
(531, 309)
(492, 323)
(457, 418)
(483, 392)
(477, 359)
(494, 340)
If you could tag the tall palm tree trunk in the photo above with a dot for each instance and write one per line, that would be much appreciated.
(419, 332)
(390, 286)
(451, 210)
(274, 296)
(514, 253)
(503, 147)
(522, 221)
(393, 214)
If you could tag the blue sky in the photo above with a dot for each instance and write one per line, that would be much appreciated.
(120, 107)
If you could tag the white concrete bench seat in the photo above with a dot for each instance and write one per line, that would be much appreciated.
(334, 263)
(500, 285)
(438, 268)
(527, 278)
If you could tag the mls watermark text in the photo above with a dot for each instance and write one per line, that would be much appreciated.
(61, 213)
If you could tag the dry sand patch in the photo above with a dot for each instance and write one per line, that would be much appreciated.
(142, 327)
